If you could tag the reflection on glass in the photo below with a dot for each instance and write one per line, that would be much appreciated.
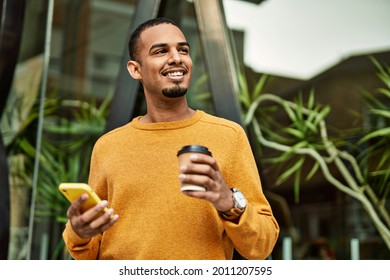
(294, 48)
(87, 41)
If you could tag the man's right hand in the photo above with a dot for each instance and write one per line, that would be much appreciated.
(90, 223)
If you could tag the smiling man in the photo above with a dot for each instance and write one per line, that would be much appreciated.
(134, 169)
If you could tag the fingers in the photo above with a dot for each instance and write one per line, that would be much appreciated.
(207, 195)
(202, 171)
(93, 221)
(105, 221)
(198, 180)
(96, 211)
(75, 207)
(97, 226)
(109, 219)
(222, 200)
(205, 159)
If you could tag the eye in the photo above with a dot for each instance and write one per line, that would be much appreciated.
(160, 51)
(184, 50)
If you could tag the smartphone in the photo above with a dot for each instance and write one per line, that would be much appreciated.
(73, 190)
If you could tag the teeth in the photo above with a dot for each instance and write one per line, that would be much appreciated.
(175, 74)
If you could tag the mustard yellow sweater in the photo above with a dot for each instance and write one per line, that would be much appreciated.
(135, 168)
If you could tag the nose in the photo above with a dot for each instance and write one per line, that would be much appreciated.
(175, 57)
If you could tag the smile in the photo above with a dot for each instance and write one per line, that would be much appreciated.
(175, 74)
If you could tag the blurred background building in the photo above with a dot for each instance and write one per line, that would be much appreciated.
(63, 83)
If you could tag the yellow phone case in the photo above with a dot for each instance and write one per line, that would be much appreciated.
(73, 190)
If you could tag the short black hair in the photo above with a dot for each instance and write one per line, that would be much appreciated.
(136, 35)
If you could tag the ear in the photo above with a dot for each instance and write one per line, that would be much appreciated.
(133, 69)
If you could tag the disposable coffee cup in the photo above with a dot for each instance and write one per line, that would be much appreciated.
(184, 159)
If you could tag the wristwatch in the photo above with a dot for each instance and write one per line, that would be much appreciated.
(239, 205)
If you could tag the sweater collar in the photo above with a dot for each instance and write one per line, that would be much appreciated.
(167, 125)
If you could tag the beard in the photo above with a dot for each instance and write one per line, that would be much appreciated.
(174, 92)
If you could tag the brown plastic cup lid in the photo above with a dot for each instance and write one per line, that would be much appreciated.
(194, 149)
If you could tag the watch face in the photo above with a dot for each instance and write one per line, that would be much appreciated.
(239, 198)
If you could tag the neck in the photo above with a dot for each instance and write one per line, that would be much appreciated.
(173, 112)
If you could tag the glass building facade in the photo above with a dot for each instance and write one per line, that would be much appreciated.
(64, 83)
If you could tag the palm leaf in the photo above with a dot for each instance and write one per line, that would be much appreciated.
(378, 133)
(286, 174)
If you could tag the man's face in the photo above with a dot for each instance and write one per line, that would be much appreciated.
(165, 65)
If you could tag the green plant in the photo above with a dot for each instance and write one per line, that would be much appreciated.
(19, 126)
(375, 144)
(70, 129)
(306, 137)
(68, 139)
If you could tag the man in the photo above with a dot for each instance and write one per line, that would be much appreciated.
(134, 169)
